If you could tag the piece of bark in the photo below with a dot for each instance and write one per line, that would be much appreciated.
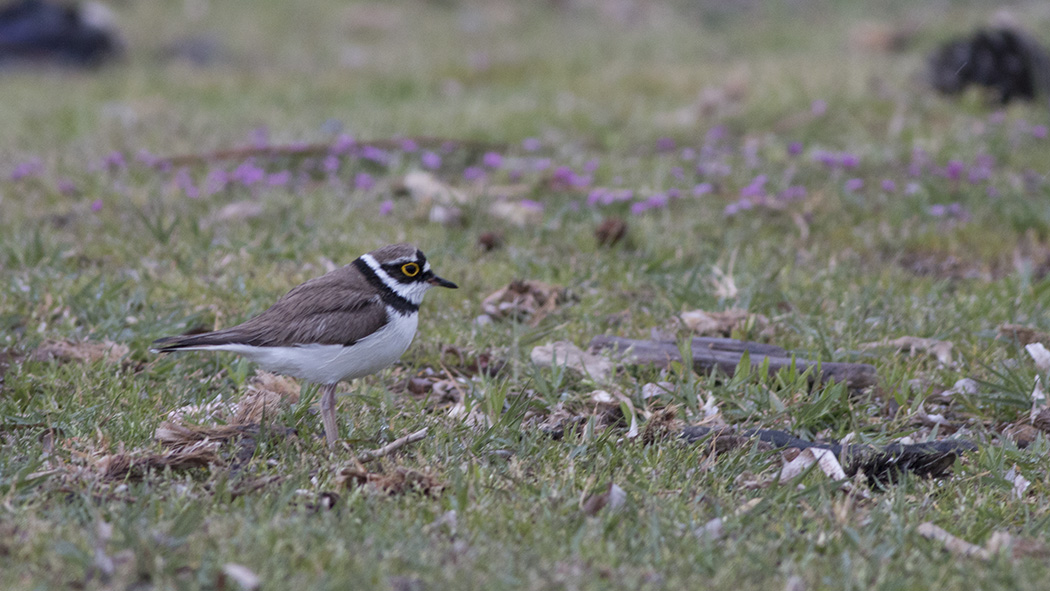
(639, 352)
(933, 459)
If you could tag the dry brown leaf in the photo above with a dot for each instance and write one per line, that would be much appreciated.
(268, 395)
(518, 213)
(181, 436)
(524, 300)
(723, 323)
(612, 498)
(426, 191)
(400, 481)
(940, 350)
(662, 425)
(611, 231)
(1024, 335)
(122, 466)
(82, 352)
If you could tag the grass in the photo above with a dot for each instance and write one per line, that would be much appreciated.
(126, 256)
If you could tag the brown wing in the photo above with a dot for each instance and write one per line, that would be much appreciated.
(330, 310)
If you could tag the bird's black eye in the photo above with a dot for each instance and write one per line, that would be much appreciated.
(410, 269)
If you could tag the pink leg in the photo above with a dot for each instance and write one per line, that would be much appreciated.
(331, 427)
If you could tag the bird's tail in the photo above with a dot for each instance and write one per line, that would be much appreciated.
(189, 341)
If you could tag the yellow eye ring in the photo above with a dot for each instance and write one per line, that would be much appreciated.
(410, 269)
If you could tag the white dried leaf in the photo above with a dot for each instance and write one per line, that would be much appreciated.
(1019, 482)
(1038, 399)
(824, 458)
(242, 575)
(564, 353)
(965, 386)
(1040, 356)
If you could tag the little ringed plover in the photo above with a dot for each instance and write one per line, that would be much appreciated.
(349, 323)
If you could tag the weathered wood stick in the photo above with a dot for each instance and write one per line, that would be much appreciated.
(734, 345)
(705, 359)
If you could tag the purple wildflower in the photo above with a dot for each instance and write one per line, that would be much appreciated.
(1039, 131)
(702, 189)
(794, 148)
(953, 170)
(115, 161)
(343, 144)
(331, 164)
(847, 160)
(854, 184)
(430, 160)
(793, 193)
(514, 175)
(533, 205)
(279, 179)
(248, 173)
(657, 201)
(386, 207)
(27, 169)
(492, 160)
(755, 188)
(66, 187)
(716, 134)
(531, 144)
(639, 208)
(374, 154)
(665, 144)
(260, 136)
(826, 158)
(184, 181)
(147, 158)
(216, 181)
(409, 145)
(364, 181)
(938, 210)
(541, 164)
(889, 185)
(96, 205)
(473, 173)
(674, 193)
(596, 196)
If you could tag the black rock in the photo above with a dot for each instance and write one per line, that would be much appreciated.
(1007, 61)
(42, 32)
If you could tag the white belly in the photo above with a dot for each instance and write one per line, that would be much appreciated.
(328, 364)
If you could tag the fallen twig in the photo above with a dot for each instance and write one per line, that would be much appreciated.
(725, 355)
(393, 446)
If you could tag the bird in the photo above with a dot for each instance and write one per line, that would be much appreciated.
(349, 323)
